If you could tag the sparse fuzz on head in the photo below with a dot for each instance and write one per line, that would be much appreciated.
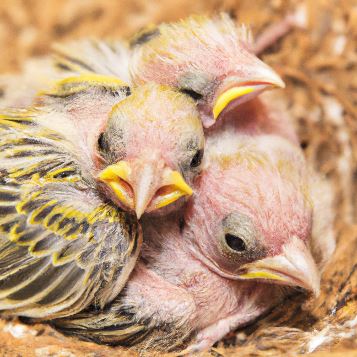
(150, 146)
(208, 58)
(252, 196)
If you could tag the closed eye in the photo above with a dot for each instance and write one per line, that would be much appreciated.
(194, 95)
(235, 243)
(197, 159)
(101, 142)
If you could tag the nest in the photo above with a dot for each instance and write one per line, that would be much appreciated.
(318, 64)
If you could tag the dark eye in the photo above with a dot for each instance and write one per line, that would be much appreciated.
(235, 242)
(194, 95)
(101, 142)
(197, 159)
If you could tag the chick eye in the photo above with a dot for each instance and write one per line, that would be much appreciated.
(194, 95)
(197, 159)
(235, 243)
(101, 142)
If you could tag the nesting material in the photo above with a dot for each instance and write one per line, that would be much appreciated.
(318, 61)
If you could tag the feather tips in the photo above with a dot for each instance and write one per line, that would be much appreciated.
(94, 56)
(81, 83)
(51, 223)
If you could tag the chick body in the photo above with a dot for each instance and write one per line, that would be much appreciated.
(61, 245)
(246, 235)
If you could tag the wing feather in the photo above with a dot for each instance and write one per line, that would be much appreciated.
(62, 247)
(94, 56)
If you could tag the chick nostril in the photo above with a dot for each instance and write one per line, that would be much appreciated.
(235, 243)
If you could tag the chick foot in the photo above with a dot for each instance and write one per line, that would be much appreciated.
(215, 332)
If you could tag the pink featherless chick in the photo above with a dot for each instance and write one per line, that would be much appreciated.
(245, 237)
(209, 58)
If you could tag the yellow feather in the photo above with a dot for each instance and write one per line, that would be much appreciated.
(77, 84)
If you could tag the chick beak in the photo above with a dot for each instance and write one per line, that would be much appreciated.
(144, 186)
(173, 187)
(116, 177)
(295, 266)
(241, 90)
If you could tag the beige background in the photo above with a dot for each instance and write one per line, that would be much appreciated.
(319, 65)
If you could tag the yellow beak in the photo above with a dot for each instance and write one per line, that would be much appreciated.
(144, 186)
(174, 187)
(116, 177)
(294, 267)
(245, 91)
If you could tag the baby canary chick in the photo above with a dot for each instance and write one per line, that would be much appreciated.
(62, 245)
(244, 240)
(207, 58)
(150, 146)
(267, 117)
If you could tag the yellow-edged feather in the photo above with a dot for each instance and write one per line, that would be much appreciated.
(54, 227)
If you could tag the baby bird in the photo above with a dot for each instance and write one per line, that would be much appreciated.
(159, 145)
(245, 238)
(145, 144)
(158, 133)
(62, 245)
(64, 241)
(210, 59)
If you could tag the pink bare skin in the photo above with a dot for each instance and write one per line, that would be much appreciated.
(256, 117)
(149, 142)
(252, 193)
(206, 58)
(189, 292)
(249, 232)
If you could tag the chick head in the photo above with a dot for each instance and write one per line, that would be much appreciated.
(252, 216)
(150, 149)
(208, 58)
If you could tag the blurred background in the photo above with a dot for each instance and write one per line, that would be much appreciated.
(318, 61)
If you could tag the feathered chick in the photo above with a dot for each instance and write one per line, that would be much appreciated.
(64, 242)
(208, 58)
(246, 236)
(62, 245)
(158, 133)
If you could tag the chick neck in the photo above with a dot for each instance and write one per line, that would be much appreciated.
(197, 294)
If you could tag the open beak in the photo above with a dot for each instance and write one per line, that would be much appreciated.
(144, 186)
(294, 267)
(246, 89)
